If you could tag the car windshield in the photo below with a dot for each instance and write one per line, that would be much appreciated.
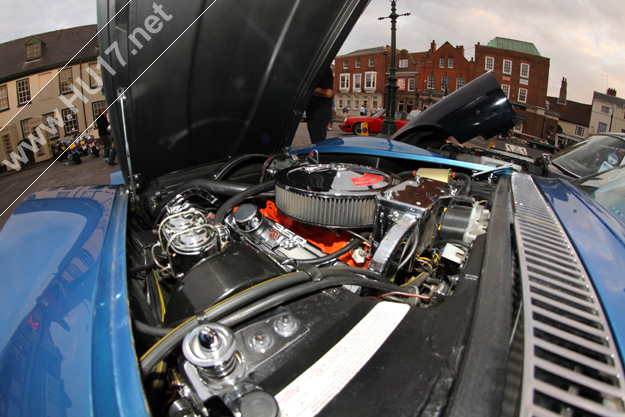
(379, 114)
(608, 189)
(597, 154)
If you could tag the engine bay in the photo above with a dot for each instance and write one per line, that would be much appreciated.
(234, 289)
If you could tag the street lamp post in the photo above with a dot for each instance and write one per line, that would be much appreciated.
(389, 126)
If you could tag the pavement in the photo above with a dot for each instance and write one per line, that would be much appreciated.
(15, 186)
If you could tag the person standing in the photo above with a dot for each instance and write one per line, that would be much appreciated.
(345, 114)
(319, 109)
(362, 111)
(104, 132)
(331, 124)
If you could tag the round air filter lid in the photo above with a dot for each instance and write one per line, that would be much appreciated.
(347, 180)
(331, 195)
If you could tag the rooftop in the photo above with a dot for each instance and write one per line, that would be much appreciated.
(608, 99)
(368, 51)
(514, 45)
(59, 47)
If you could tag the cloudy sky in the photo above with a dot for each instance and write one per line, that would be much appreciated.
(585, 39)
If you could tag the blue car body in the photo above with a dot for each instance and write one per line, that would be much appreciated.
(67, 347)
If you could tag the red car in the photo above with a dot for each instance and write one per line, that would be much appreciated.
(354, 124)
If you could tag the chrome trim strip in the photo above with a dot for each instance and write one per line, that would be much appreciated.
(568, 343)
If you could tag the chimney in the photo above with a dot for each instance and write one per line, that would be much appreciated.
(611, 92)
(433, 47)
(460, 49)
(562, 97)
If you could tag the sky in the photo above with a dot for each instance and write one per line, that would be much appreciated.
(584, 39)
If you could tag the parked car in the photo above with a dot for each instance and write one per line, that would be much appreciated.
(374, 122)
(360, 276)
(543, 144)
(598, 153)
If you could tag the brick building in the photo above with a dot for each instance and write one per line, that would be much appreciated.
(574, 117)
(442, 71)
(360, 79)
(523, 75)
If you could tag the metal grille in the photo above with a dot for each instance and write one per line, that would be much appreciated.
(571, 364)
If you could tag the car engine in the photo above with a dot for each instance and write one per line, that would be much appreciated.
(404, 238)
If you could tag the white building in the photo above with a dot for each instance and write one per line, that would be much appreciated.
(608, 113)
(39, 78)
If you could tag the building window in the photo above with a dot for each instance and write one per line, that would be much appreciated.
(65, 81)
(518, 127)
(603, 127)
(459, 83)
(579, 131)
(490, 63)
(357, 82)
(370, 78)
(403, 63)
(97, 108)
(23, 91)
(506, 89)
(411, 84)
(375, 103)
(450, 63)
(345, 65)
(356, 103)
(4, 97)
(357, 63)
(7, 146)
(371, 62)
(70, 120)
(507, 66)
(25, 129)
(52, 126)
(340, 103)
(344, 83)
(34, 49)
(349, 103)
(93, 83)
(442, 63)
(400, 105)
(525, 70)
(523, 95)
(605, 109)
(444, 82)
(431, 82)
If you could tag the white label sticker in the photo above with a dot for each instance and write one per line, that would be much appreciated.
(516, 149)
(319, 384)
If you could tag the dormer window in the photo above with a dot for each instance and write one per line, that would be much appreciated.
(34, 49)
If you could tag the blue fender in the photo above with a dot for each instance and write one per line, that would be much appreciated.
(65, 340)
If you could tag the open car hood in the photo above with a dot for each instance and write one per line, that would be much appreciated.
(214, 81)
(478, 108)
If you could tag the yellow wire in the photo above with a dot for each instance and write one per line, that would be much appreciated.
(208, 309)
(159, 369)
(160, 295)
(412, 279)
